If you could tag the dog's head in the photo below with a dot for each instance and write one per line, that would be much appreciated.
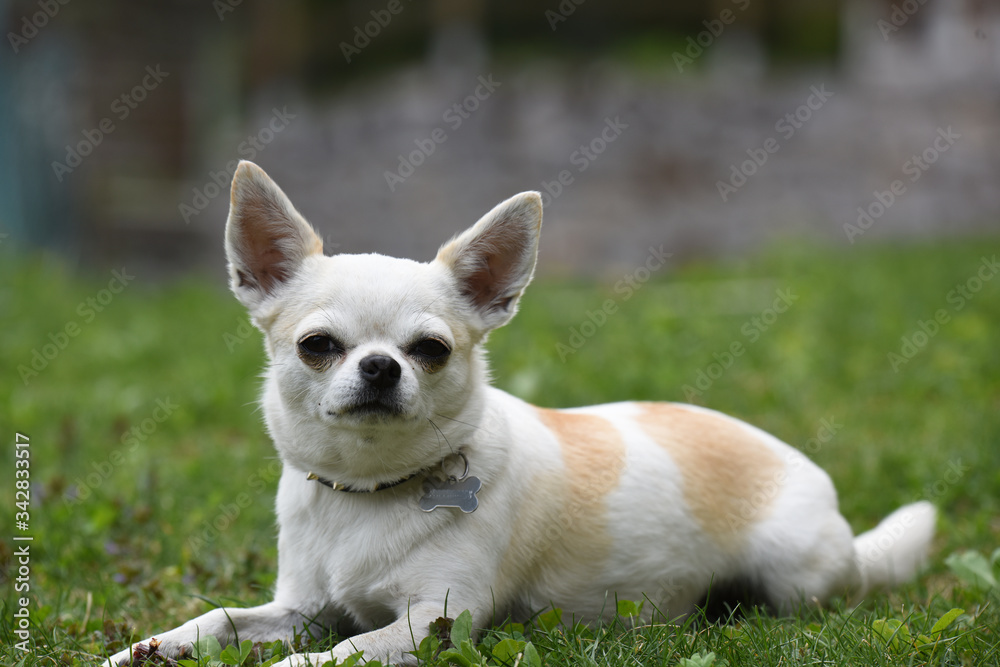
(368, 348)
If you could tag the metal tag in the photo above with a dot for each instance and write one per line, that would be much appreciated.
(460, 493)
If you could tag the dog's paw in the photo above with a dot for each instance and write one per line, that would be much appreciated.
(143, 653)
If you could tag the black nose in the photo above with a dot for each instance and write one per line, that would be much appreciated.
(380, 371)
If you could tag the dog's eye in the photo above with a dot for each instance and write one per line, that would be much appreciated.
(319, 344)
(431, 348)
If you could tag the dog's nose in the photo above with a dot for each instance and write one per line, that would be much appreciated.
(380, 371)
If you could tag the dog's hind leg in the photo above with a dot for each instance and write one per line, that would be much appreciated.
(806, 565)
(267, 622)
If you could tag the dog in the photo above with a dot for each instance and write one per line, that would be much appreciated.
(409, 483)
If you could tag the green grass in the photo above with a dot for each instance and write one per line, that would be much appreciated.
(116, 514)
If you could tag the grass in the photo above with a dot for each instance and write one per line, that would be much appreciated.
(143, 431)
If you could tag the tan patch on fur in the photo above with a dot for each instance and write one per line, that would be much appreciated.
(730, 477)
(592, 450)
(562, 527)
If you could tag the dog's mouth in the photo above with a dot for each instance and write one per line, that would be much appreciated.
(370, 409)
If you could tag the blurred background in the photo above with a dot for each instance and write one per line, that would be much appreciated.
(708, 127)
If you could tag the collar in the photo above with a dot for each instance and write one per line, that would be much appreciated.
(381, 486)
(337, 486)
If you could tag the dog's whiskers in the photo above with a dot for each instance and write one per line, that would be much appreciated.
(441, 435)
(476, 427)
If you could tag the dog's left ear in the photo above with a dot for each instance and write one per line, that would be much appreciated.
(266, 238)
(494, 260)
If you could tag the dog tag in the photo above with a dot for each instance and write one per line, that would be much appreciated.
(460, 493)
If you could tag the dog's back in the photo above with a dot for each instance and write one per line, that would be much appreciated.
(667, 501)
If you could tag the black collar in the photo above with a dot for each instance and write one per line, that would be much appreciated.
(382, 486)
(337, 486)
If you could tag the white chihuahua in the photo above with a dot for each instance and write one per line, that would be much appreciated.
(408, 480)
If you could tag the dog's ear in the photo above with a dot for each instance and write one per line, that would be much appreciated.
(493, 261)
(266, 238)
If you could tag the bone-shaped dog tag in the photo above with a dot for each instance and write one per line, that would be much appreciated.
(460, 493)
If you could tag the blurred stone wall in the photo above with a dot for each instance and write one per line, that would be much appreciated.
(705, 143)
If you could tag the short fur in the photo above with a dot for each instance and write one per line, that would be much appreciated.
(633, 500)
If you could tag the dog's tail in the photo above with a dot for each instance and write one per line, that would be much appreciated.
(894, 550)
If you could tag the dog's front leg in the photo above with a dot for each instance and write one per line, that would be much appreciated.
(390, 645)
(267, 622)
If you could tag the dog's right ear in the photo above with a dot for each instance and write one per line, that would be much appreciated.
(266, 238)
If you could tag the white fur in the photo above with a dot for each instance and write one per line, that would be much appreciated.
(375, 563)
